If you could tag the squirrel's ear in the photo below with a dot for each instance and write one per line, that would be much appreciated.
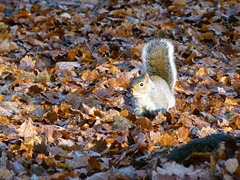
(146, 77)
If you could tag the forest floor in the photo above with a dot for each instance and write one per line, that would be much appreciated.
(65, 110)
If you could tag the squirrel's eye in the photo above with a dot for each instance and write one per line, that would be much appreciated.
(141, 84)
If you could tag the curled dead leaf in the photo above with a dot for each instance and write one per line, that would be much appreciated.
(183, 134)
(167, 139)
(145, 123)
(232, 165)
(203, 71)
(90, 75)
(27, 129)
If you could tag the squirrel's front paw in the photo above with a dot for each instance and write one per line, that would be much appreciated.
(138, 111)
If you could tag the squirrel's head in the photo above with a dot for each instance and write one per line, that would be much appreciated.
(139, 85)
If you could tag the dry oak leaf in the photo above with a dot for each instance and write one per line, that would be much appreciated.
(28, 143)
(65, 143)
(103, 49)
(179, 2)
(5, 46)
(26, 62)
(100, 145)
(232, 165)
(114, 70)
(1, 98)
(48, 130)
(27, 75)
(155, 136)
(203, 71)
(168, 140)
(44, 76)
(123, 32)
(72, 54)
(124, 79)
(172, 168)
(5, 112)
(10, 45)
(36, 42)
(183, 134)
(206, 131)
(94, 163)
(231, 101)
(114, 83)
(68, 65)
(145, 123)
(121, 123)
(87, 56)
(27, 129)
(5, 173)
(100, 93)
(90, 75)
(4, 120)
(223, 122)
(19, 15)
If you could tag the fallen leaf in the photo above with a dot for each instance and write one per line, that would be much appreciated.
(27, 129)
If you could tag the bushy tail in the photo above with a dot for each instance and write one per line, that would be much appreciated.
(157, 57)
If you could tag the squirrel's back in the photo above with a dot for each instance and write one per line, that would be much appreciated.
(157, 57)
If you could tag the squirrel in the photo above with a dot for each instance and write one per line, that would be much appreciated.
(153, 91)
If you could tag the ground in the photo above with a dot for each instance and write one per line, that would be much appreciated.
(65, 110)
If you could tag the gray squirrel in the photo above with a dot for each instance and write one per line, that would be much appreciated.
(153, 91)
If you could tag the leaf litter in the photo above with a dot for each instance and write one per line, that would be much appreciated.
(65, 111)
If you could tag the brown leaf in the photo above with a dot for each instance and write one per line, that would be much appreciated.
(1, 98)
(2, 7)
(114, 70)
(40, 148)
(167, 139)
(87, 55)
(34, 90)
(205, 27)
(46, 11)
(100, 145)
(231, 101)
(179, 2)
(51, 116)
(21, 14)
(206, 131)
(183, 134)
(3, 120)
(103, 49)
(190, 58)
(65, 143)
(27, 129)
(37, 42)
(72, 54)
(5, 173)
(28, 144)
(44, 76)
(100, 93)
(124, 80)
(144, 123)
(94, 163)
(121, 123)
(68, 65)
(90, 75)
(203, 71)
(155, 136)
